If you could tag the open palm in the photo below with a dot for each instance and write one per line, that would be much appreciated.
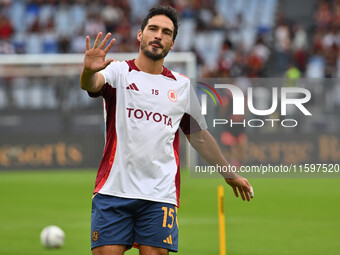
(94, 59)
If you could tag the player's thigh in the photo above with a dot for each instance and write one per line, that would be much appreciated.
(111, 221)
(149, 250)
(109, 250)
(156, 226)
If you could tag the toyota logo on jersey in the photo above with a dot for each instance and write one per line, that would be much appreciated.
(153, 116)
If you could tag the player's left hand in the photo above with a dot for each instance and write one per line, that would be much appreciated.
(241, 187)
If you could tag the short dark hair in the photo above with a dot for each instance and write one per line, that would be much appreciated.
(168, 11)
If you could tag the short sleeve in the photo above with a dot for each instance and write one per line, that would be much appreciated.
(111, 73)
(193, 120)
(102, 92)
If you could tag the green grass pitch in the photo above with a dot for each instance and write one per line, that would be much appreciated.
(287, 216)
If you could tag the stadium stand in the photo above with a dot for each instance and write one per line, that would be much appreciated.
(59, 26)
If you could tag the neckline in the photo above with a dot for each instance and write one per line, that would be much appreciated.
(166, 72)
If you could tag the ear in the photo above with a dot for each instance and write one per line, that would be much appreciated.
(139, 35)
(172, 45)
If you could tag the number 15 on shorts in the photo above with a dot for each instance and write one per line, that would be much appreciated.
(169, 217)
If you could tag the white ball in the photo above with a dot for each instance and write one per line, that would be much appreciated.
(52, 237)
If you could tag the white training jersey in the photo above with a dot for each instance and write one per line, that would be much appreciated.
(143, 113)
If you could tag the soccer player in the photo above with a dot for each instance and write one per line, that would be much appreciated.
(137, 186)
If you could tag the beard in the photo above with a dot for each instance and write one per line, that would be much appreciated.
(153, 54)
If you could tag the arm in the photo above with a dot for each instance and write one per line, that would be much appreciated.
(204, 143)
(94, 61)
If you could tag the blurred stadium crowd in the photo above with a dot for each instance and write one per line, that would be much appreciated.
(230, 38)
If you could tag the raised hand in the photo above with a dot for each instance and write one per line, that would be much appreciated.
(94, 59)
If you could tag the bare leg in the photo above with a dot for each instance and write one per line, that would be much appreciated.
(149, 250)
(109, 250)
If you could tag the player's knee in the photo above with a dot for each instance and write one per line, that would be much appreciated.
(109, 250)
(149, 250)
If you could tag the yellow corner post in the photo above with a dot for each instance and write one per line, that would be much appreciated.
(221, 219)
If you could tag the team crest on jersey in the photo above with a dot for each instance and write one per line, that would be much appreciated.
(172, 95)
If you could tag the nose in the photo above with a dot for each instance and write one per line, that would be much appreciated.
(158, 35)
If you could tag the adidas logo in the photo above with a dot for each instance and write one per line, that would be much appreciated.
(132, 86)
(168, 240)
